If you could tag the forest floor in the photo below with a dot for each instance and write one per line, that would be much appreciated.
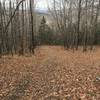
(51, 74)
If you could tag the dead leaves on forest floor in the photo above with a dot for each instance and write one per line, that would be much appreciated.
(51, 74)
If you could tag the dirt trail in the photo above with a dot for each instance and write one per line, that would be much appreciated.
(53, 74)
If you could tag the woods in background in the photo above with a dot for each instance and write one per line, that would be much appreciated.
(16, 27)
(78, 21)
(74, 23)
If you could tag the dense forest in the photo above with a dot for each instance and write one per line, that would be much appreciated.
(77, 23)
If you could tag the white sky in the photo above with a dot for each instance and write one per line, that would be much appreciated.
(40, 4)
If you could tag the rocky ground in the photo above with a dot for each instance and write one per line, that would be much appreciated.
(51, 74)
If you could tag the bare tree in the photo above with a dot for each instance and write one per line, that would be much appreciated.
(78, 22)
(32, 29)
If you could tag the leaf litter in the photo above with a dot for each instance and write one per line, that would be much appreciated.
(51, 74)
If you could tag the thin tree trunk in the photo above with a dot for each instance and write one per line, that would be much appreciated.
(32, 29)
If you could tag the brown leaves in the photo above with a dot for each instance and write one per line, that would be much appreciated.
(53, 73)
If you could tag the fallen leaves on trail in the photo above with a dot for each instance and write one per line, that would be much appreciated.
(51, 74)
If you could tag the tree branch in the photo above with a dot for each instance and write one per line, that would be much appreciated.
(6, 28)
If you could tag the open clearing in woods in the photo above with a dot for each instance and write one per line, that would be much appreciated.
(51, 74)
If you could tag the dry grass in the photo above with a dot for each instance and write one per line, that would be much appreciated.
(51, 74)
